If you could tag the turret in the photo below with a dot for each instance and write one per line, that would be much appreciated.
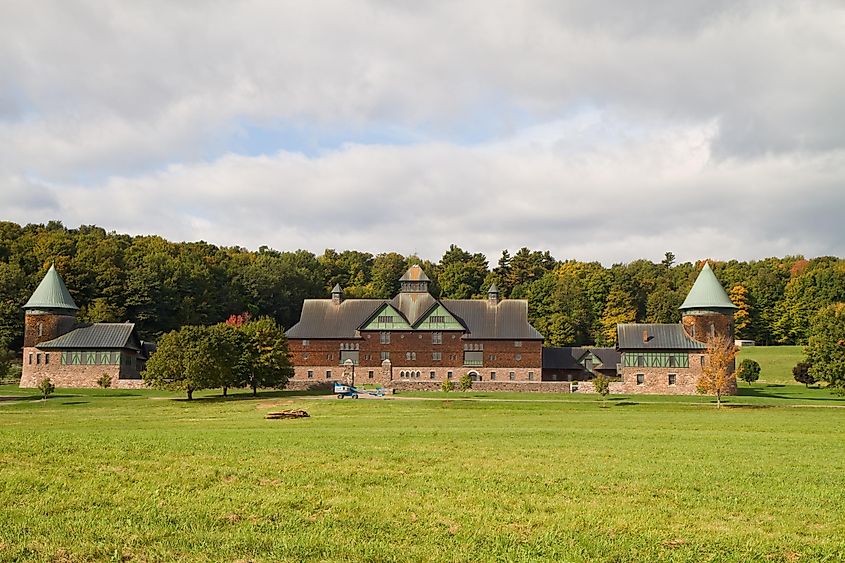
(414, 281)
(337, 294)
(50, 312)
(493, 294)
(707, 311)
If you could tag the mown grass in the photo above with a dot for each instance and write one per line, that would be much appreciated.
(138, 475)
(776, 362)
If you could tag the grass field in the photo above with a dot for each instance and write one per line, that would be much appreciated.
(776, 362)
(120, 475)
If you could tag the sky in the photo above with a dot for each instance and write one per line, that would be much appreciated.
(599, 130)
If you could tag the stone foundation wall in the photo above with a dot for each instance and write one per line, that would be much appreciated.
(388, 374)
(616, 387)
(512, 386)
(69, 376)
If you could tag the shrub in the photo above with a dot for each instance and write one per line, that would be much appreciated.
(602, 384)
(46, 387)
(748, 371)
(801, 373)
(104, 381)
(447, 386)
(465, 382)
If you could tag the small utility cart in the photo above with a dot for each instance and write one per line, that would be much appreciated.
(342, 390)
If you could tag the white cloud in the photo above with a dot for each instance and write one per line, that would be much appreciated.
(599, 130)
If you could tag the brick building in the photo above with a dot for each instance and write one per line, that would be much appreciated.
(415, 340)
(668, 358)
(74, 354)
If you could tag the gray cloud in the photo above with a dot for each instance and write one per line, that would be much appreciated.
(599, 130)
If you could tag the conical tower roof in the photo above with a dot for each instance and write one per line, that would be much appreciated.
(51, 293)
(337, 288)
(414, 273)
(707, 293)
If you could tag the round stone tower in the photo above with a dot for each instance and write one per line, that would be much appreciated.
(707, 311)
(50, 312)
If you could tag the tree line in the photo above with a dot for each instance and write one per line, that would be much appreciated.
(163, 285)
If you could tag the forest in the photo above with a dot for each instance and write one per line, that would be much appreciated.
(162, 285)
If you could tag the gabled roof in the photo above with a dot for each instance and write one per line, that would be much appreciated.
(99, 336)
(414, 273)
(707, 293)
(566, 357)
(506, 320)
(608, 357)
(323, 319)
(413, 305)
(655, 337)
(51, 293)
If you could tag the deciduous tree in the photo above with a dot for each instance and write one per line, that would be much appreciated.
(801, 374)
(718, 376)
(826, 347)
(748, 371)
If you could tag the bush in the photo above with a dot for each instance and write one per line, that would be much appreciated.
(801, 373)
(104, 381)
(465, 382)
(447, 386)
(748, 371)
(602, 384)
(46, 387)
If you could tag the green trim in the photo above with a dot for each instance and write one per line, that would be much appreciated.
(438, 318)
(386, 318)
(655, 360)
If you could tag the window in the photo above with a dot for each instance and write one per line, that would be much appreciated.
(640, 361)
(349, 355)
(310, 374)
(40, 329)
(473, 358)
(530, 376)
(492, 357)
(47, 358)
(437, 338)
(410, 356)
(712, 330)
(448, 375)
(640, 379)
(370, 374)
(437, 319)
(305, 356)
(37, 358)
(436, 356)
(30, 358)
(517, 357)
(431, 375)
(702, 361)
(492, 376)
(511, 375)
(673, 361)
(672, 379)
(305, 343)
(385, 356)
(384, 337)
(328, 374)
(517, 343)
(474, 346)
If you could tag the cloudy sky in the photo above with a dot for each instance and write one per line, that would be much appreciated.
(601, 130)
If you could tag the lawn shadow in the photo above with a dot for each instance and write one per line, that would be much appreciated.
(8, 398)
(626, 404)
(75, 403)
(764, 393)
(248, 396)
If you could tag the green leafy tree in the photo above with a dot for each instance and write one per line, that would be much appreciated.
(826, 348)
(742, 316)
(447, 386)
(801, 374)
(460, 275)
(6, 357)
(265, 358)
(465, 382)
(104, 381)
(46, 387)
(185, 360)
(748, 371)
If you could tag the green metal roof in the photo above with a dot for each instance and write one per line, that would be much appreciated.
(97, 336)
(707, 293)
(51, 293)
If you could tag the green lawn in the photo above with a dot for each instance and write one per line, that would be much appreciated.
(137, 475)
(776, 362)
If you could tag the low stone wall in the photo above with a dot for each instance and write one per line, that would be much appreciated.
(615, 387)
(512, 386)
(294, 385)
(129, 384)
